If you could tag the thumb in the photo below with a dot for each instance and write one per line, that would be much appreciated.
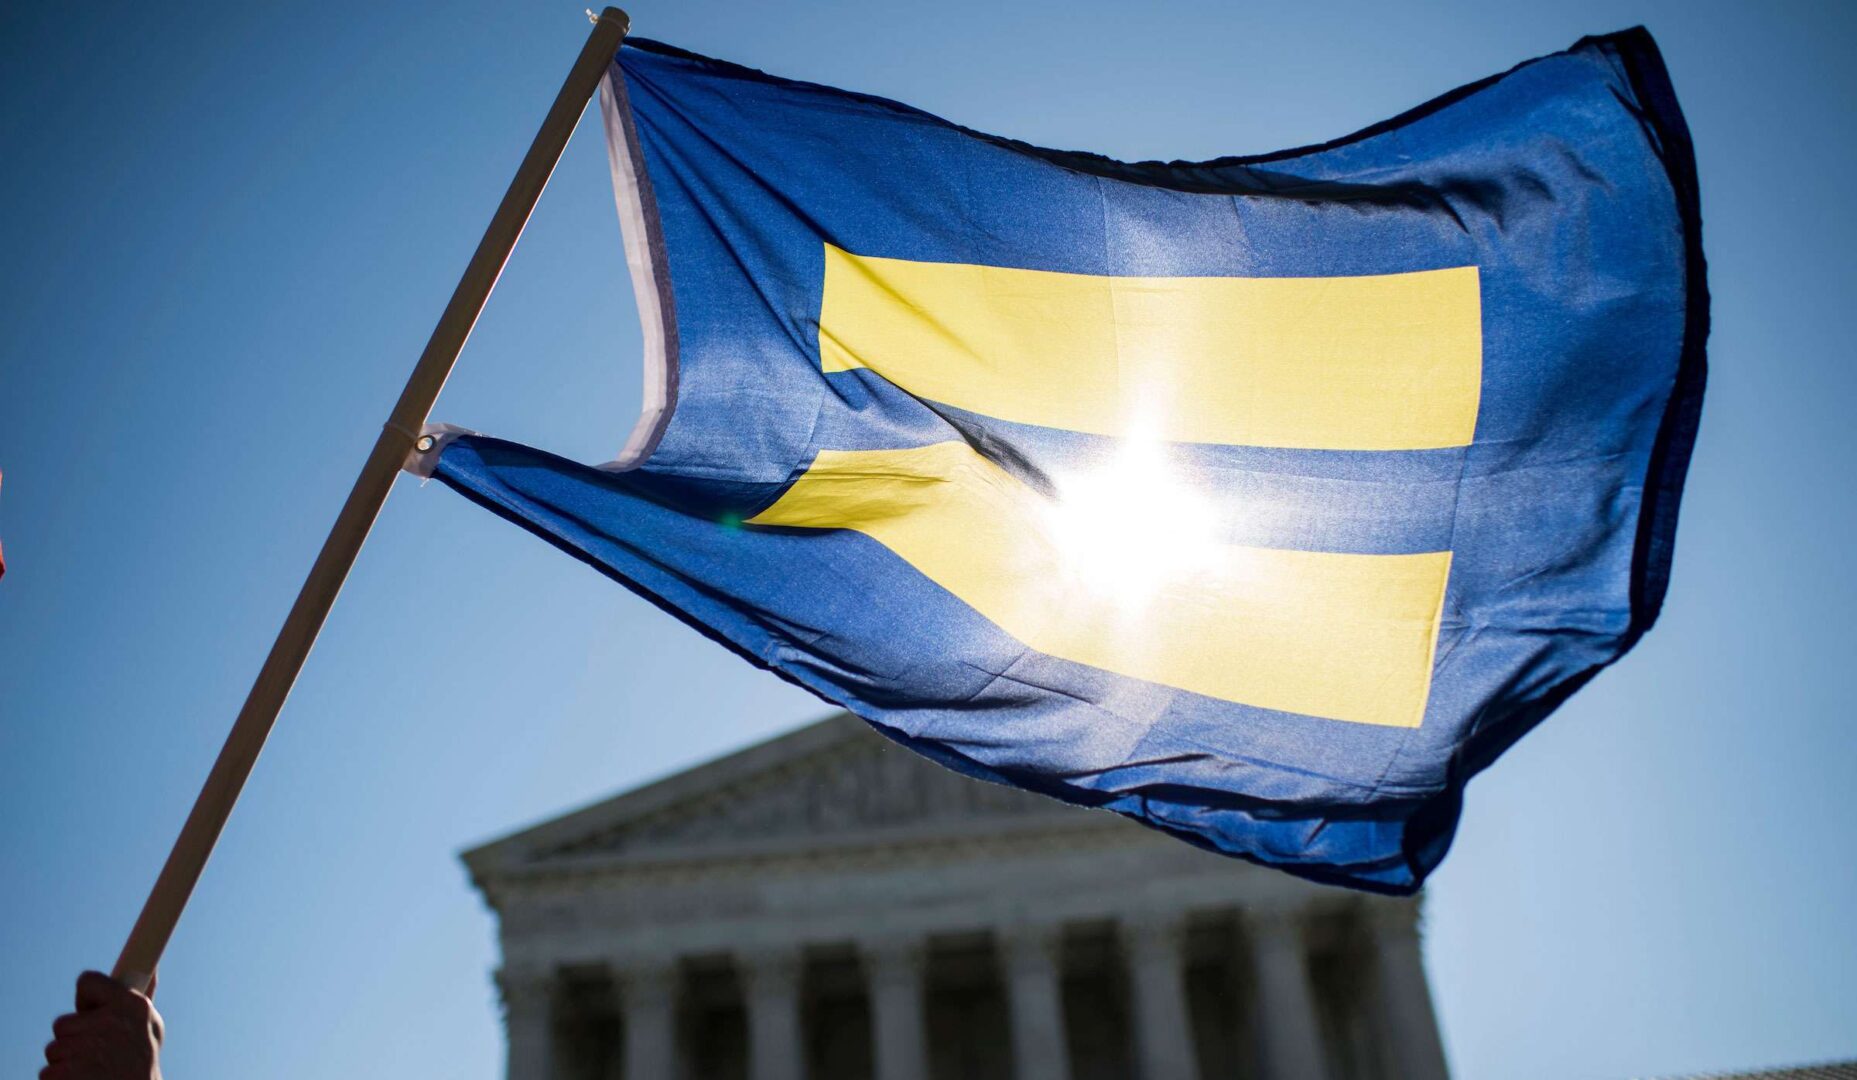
(95, 990)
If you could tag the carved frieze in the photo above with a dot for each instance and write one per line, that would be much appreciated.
(859, 785)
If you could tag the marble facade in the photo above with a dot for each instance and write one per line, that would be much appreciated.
(828, 906)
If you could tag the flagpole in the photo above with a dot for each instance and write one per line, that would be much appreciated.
(162, 910)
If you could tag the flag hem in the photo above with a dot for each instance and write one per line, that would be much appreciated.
(1181, 175)
(650, 270)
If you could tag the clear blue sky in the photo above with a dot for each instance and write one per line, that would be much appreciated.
(228, 228)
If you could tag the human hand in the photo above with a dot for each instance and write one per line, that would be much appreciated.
(115, 1034)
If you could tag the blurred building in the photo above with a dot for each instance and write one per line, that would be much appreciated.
(829, 906)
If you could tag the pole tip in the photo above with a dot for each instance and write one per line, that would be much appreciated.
(611, 14)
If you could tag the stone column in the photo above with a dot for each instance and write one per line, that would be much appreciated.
(771, 986)
(1406, 1018)
(530, 998)
(648, 1007)
(1033, 985)
(1287, 1024)
(894, 969)
(1157, 980)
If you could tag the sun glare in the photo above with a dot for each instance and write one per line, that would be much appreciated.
(1132, 526)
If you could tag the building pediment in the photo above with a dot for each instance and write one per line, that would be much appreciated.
(835, 783)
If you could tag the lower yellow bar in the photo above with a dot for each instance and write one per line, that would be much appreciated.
(1346, 637)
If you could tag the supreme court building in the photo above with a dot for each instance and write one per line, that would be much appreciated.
(829, 906)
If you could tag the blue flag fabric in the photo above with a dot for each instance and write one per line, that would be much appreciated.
(1264, 500)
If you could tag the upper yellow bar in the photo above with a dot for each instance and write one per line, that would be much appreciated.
(1385, 362)
(1346, 637)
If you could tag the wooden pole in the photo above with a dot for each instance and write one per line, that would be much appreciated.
(153, 927)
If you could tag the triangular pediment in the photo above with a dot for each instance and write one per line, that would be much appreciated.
(833, 781)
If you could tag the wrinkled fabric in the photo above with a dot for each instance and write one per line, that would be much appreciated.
(1568, 184)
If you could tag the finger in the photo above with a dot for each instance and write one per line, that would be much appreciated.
(70, 1053)
(98, 992)
(75, 1067)
(95, 990)
(79, 1025)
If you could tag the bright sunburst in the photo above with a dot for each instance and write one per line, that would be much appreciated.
(1132, 526)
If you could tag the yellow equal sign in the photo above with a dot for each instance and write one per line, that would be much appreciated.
(1381, 362)
(1347, 637)
(1376, 363)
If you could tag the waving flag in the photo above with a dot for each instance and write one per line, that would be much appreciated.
(1265, 500)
